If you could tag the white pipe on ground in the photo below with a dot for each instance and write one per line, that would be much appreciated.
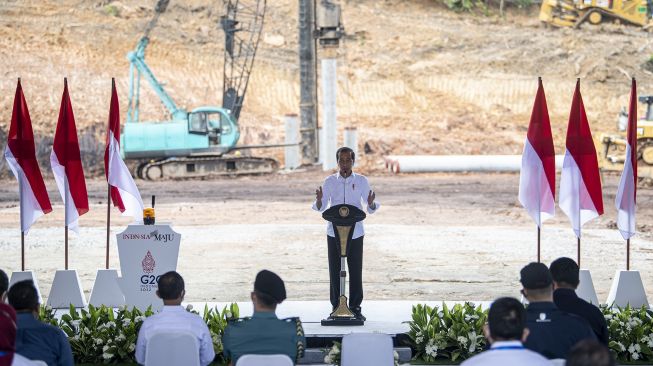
(456, 163)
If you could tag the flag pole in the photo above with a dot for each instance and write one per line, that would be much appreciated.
(538, 244)
(579, 252)
(65, 204)
(20, 197)
(579, 209)
(108, 222)
(22, 233)
(628, 254)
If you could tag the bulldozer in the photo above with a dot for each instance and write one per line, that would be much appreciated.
(573, 13)
(612, 148)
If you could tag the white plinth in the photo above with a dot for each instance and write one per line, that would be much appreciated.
(585, 289)
(627, 288)
(26, 275)
(106, 290)
(66, 290)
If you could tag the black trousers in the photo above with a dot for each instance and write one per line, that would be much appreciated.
(355, 271)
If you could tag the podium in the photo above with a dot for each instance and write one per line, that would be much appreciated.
(146, 252)
(344, 218)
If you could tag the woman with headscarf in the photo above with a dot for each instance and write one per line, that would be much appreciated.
(8, 357)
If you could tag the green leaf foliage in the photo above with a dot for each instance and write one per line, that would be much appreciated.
(102, 335)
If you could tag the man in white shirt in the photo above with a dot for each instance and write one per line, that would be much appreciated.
(352, 189)
(506, 332)
(175, 318)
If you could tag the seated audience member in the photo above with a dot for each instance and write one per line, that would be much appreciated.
(8, 356)
(565, 281)
(552, 332)
(35, 339)
(506, 330)
(264, 333)
(4, 285)
(590, 353)
(173, 317)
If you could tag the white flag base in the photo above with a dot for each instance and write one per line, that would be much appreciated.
(585, 289)
(106, 290)
(66, 290)
(26, 275)
(627, 288)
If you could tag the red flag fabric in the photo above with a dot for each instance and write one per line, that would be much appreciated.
(537, 176)
(21, 157)
(580, 182)
(67, 163)
(124, 193)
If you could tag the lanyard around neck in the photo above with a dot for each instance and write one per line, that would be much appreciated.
(500, 348)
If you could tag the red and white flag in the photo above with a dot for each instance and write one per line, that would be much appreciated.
(21, 157)
(124, 193)
(67, 164)
(626, 195)
(537, 177)
(580, 183)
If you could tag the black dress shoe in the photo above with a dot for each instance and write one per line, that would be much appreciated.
(358, 314)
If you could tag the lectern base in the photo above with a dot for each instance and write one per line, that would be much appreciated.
(342, 322)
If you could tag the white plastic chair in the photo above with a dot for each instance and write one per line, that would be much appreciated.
(172, 349)
(264, 360)
(558, 362)
(367, 349)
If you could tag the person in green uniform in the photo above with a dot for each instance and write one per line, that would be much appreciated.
(263, 333)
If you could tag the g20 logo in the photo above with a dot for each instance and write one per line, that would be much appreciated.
(150, 279)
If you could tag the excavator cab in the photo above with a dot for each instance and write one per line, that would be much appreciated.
(212, 123)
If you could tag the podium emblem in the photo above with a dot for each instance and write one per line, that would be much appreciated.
(344, 211)
(148, 263)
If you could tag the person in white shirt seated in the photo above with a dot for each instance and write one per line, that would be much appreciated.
(505, 332)
(172, 318)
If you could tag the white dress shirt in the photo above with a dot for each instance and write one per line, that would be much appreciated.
(21, 361)
(176, 318)
(507, 353)
(352, 190)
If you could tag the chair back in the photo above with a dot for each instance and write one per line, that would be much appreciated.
(558, 362)
(172, 348)
(264, 360)
(367, 349)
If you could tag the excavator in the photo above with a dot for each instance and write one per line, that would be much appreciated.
(612, 148)
(202, 142)
(573, 13)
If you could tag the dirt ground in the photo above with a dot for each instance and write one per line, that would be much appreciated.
(436, 237)
(413, 78)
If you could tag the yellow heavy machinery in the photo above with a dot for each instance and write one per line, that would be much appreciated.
(612, 152)
(572, 13)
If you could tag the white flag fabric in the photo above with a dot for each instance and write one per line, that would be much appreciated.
(626, 194)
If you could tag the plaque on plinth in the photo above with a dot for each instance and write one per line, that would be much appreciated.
(343, 218)
(146, 252)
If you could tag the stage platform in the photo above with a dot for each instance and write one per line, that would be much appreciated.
(383, 316)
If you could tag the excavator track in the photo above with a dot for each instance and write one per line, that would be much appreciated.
(205, 167)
